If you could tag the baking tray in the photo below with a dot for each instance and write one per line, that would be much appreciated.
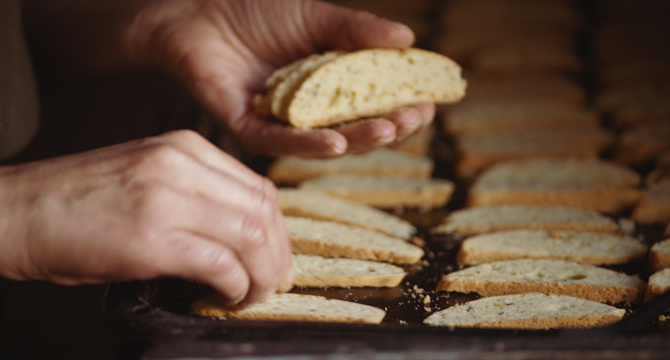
(155, 316)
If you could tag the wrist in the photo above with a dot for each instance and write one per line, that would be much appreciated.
(13, 227)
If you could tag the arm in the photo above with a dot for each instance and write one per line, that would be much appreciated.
(172, 205)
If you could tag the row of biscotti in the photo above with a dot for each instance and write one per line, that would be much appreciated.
(509, 36)
(383, 178)
(336, 243)
(514, 253)
(525, 97)
(632, 77)
(631, 70)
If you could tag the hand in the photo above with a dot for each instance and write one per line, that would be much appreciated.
(224, 50)
(173, 205)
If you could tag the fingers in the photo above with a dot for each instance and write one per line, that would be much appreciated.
(364, 135)
(222, 218)
(355, 137)
(354, 29)
(389, 130)
(275, 139)
(242, 251)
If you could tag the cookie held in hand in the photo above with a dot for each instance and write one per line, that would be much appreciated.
(336, 87)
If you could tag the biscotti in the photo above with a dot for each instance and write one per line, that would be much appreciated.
(527, 311)
(495, 116)
(333, 240)
(548, 277)
(337, 87)
(476, 152)
(523, 88)
(644, 144)
(659, 255)
(658, 284)
(419, 143)
(311, 271)
(654, 206)
(587, 184)
(320, 206)
(485, 219)
(385, 192)
(291, 307)
(515, 57)
(577, 246)
(292, 170)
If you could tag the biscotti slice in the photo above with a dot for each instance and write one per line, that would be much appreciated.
(534, 57)
(292, 170)
(654, 206)
(291, 307)
(364, 83)
(644, 143)
(659, 255)
(527, 311)
(525, 87)
(500, 116)
(547, 277)
(577, 246)
(284, 82)
(320, 206)
(476, 152)
(333, 240)
(385, 192)
(486, 219)
(587, 184)
(419, 144)
(318, 272)
(658, 284)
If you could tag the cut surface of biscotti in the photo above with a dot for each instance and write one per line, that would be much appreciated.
(659, 283)
(485, 219)
(284, 82)
(577, 246)
(334, 240)
(320, 206)
(476, 152)
(313, 271)
(291, 307)
(385, 192)
(659, 255)
(380, 162)
(587, 184)
(548, 277)
(527, 311)
(361, 84)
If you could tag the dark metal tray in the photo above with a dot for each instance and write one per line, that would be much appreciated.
(155, 314)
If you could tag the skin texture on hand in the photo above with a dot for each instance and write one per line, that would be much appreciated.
(173, 205)
(224, 50)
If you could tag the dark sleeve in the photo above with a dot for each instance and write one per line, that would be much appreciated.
(19, 108)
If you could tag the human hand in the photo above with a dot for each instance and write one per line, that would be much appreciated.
(172, 205)
(224, 50)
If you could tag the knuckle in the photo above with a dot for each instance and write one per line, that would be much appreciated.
(253, 233)
(184, 136)
(228, 273)
(220, 259)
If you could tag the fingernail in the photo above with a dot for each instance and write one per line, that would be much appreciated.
(339, 149)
